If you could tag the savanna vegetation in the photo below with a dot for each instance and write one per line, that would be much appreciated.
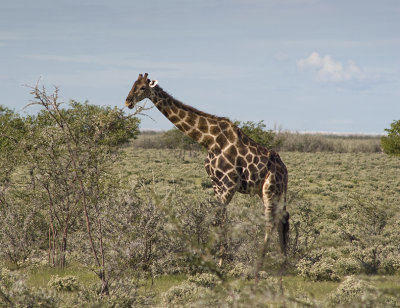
(94, 214)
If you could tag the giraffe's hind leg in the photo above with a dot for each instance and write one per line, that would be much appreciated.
(273, 199)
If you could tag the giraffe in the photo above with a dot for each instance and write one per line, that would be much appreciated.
(234, 163)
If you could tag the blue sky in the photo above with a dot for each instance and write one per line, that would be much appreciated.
(302, 65)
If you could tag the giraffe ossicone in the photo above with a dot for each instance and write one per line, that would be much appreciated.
(235, 163)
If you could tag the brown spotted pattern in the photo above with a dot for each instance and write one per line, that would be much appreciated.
(235, 163)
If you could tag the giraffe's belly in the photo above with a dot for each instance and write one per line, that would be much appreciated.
(251, 181)
(250, 188)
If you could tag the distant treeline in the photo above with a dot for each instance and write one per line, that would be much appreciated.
(281, 141)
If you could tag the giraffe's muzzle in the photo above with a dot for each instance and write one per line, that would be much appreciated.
(129, 104)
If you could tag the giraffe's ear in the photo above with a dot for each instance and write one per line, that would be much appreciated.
(153, 83)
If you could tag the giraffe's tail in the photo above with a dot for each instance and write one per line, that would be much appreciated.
(284, 226)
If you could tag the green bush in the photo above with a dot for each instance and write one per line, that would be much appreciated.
(12, 131)
(181, 295)
(123, 294)
(67, 283)
(365, 227)
(258, 132)
(22, 223)
(176, 139)
(318, 268)
(207, 280)
(241, 270)
(308, 142)
(391, 142)
(14, 292)
(354, 291)
(347, 266)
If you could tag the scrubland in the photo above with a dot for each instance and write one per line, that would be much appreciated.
(160, 240)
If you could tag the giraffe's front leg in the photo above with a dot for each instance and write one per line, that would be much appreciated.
(224, 195)
(225, 183)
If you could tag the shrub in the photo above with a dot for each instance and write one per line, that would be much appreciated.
(15, 293)
(13, 130)
(22, 226)
(356, 292)
(305, 224)
(390, 263)
(176, 139)
(391, 142)
(123, 293)
(364, 225)
(138, 236)
(21, 222)
(205, 280)
(67, 283)
(321, 268)
(180, 295)
(347, 266)
(351, 291)
(266, 293)
(241, 270)
(259, 134)
(71, 152)
(308, 142)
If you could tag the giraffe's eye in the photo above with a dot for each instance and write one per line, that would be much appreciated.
(143, 88)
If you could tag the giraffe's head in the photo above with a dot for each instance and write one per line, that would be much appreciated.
(141, 89)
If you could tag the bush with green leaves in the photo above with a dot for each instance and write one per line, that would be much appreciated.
(318, 267)
(124, 292)
(176, 139)
(12, 132)
(22, 226)
(59, 170)
(305, 223)
(207, 280)
(65, 283)
(391, 142)
(354, 292)
(136, 229)
(258, 132)
(22, 223)
(365, 227)
(71, 154)
(184, 293)
(14, 292)
(240, 270)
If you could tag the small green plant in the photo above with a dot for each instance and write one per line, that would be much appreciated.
(318, 268)
(67, 283)
(205, 280)
(179, 295)
(240, 270)
(353, 290)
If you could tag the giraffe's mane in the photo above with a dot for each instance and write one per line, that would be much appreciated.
(195, 110)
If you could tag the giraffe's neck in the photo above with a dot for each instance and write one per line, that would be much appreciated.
(205, 128)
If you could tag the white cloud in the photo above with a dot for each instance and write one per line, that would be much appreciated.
(327, 69)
